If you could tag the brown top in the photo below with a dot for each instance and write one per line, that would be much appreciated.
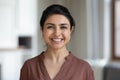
(72, 69)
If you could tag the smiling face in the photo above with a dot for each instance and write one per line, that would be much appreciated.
(56, 31)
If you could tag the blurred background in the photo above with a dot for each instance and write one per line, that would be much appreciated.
(93, 39)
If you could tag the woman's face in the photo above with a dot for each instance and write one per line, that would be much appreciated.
(56, 31)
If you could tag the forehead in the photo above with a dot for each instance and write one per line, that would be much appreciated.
(57, 18)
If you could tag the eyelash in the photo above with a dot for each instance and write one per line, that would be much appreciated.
(62, 27)
(50, 27)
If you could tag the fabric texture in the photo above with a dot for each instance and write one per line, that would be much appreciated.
(72, 69)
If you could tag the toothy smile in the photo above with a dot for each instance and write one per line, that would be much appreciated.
(57, 39)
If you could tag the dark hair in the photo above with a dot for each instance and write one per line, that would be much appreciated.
(56, 9)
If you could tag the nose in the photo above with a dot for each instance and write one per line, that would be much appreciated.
(57, 32)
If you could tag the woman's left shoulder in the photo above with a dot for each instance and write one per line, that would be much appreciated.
(81, 63)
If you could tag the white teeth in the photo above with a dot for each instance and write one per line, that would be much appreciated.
(57, 40)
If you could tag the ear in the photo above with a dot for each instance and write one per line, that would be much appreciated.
(72, 29)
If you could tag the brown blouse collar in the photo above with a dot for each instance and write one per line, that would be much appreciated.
(64, 66)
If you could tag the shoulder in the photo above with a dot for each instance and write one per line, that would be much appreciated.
(32, 61)
(83, 68)
(81, 63)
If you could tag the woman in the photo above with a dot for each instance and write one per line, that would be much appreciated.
(56, 62)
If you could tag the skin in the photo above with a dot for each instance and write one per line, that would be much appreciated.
(56, 34)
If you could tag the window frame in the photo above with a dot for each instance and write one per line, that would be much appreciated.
(114, 56)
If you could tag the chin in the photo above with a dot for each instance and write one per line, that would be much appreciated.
(58, 47)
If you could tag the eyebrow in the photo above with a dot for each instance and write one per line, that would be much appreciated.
(54, 24)
(63, 24)
(49, 24)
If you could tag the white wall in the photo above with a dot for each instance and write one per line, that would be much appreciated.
(17, 18)
(10, 62)
(26, 16)
(7, 24)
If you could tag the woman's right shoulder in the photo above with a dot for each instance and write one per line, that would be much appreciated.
(33, 61)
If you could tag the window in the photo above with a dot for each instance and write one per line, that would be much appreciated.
(99, 30)
(95, 13)
(116, 29)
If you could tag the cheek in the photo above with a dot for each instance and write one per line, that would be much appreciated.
(67, 34)
(46, 34)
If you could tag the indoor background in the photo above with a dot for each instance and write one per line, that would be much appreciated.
(20, 36)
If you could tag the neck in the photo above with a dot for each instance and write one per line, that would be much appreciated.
(56, 56)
